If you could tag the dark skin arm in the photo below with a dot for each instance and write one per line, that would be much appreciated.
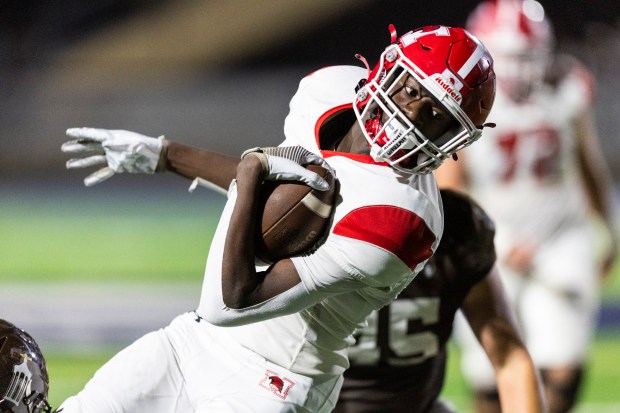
(191, 162)
(493, 323)
(242, 286)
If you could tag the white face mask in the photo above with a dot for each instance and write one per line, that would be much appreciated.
(394, 139)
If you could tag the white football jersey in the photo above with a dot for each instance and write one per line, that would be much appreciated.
(385, 227)
(524, 171)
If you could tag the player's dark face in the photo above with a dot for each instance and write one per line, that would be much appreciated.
(427, 115)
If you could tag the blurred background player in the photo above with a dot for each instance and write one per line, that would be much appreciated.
(23, 373)
(398, 363)
(541, 177)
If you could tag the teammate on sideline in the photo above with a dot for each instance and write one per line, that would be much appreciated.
(275, 339)
(23, 372)
(541, 177)
(398, 363)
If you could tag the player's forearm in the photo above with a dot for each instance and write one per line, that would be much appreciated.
(191, 162)
(239, 278)
(519, 385)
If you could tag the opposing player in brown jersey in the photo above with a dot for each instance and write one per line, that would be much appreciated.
(399, 360)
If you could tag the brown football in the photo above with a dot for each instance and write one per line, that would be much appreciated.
(293, 216)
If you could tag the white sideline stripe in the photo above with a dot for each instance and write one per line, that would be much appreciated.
(317, 206)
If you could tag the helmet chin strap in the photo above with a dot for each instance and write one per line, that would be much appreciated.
(374, 124)
(365, 62)
(36, 402)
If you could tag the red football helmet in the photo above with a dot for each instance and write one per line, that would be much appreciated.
(23, 374)
(521, 40)
(454, 68)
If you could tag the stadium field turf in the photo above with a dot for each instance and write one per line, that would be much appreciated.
(601, 393)
(76, 235)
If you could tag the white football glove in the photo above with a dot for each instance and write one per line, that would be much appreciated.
(286, 164)
(119, 150)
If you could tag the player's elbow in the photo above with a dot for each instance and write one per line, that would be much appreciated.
(221, 316)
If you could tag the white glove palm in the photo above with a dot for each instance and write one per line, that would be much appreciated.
(119, 150)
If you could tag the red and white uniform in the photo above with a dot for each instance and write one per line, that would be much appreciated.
(398, 363)
(524, 173)
(279, 357)
(385, 227)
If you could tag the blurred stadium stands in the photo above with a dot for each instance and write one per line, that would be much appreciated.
(220, 72)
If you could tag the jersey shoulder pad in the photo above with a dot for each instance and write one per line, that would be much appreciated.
(397, 230)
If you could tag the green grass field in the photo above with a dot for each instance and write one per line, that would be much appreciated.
(45, 238)
(69, 372)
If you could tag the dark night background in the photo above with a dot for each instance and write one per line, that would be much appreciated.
(192, 69)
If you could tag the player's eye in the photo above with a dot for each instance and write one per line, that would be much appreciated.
(412, 92)
(438, 114)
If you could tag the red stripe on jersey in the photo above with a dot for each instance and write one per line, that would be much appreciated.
(394, 229)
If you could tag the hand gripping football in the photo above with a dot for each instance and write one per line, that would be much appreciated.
(293, 216)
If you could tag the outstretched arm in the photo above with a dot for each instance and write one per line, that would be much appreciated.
(191, 162)
(118, 151)
(493, 323)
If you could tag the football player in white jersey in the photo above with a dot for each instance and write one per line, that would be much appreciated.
(541, 176)
(275, 339)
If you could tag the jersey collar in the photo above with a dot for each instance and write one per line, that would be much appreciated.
(334, 115)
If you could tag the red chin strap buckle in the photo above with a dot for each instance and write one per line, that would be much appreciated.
(374, 125)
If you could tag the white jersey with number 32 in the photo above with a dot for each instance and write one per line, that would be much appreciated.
(524, 171)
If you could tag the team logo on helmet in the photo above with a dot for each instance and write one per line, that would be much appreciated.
(448, 82)
(280, 386)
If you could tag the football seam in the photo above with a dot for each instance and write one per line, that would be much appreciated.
(317, 206)
(283, 217)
